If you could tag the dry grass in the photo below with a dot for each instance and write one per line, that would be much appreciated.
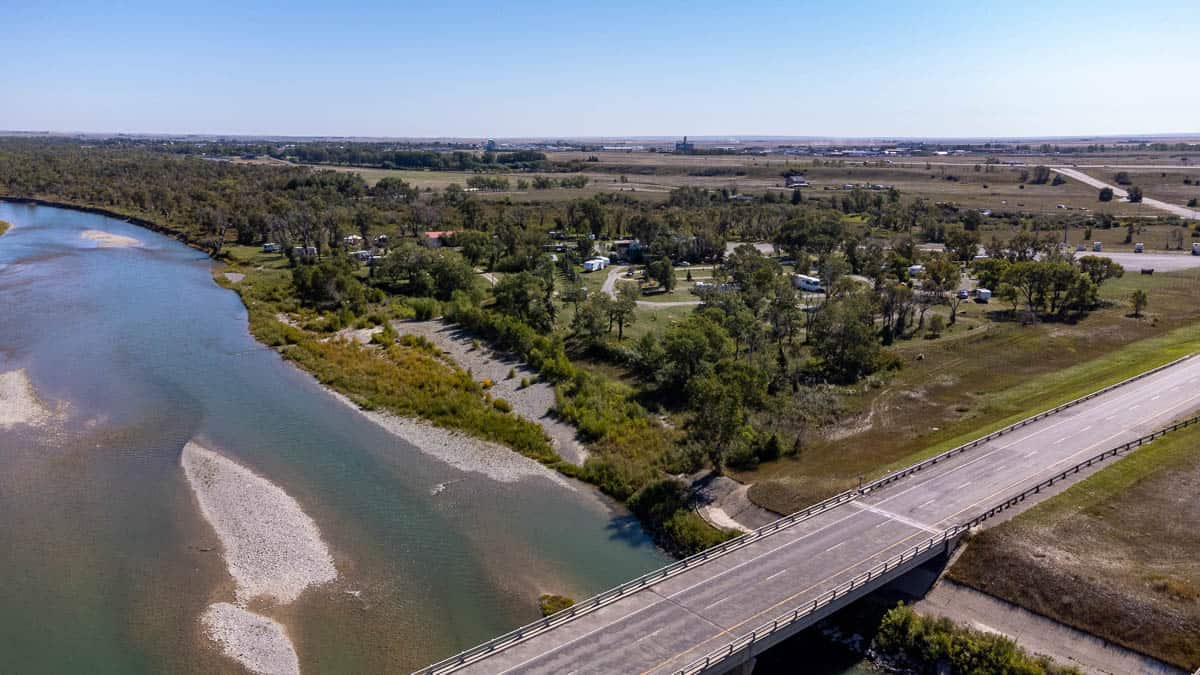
(972, 381)
(1117, 555)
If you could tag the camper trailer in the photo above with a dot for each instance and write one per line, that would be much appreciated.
(594, 264)
(1097, 246)
(916, 270)
(982, 295)
(807, 284)
(1139, 247)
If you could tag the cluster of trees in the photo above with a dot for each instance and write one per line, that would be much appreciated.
(1051, 287)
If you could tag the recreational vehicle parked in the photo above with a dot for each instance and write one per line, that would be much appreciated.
(807, 284)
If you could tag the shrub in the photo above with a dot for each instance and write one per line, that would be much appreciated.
(424, 309)
(552, 604)
(502, 405)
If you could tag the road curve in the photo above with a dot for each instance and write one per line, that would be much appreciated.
(667, 625)
(1084, 178)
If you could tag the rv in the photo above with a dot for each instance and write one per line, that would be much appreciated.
(916, 270)
(594, 264)
(807, 284)
(982, 295)
(1097, 246)
(271, 247)
(1139, 247)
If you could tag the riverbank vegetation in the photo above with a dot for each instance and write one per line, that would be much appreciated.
(1115, 555)
(745, 373)
(4, 225)
(927, 645)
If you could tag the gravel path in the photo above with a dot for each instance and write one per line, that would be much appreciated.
(272, 548)
(533, 402)
(256, 642)
(723, 502)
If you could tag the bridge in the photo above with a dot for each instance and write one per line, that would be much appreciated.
(715, 611)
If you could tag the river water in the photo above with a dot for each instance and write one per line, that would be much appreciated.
(105, 560)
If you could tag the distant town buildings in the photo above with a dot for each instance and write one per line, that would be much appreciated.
(684, 146)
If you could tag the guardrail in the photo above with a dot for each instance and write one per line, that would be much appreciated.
(798, 614)
(591, 604)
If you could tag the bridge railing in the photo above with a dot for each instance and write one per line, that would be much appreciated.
(803, 612)
(591, 604)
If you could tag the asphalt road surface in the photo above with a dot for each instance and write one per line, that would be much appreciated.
(670, 624)
(1084, 178)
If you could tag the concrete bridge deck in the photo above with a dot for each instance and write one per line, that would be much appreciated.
(667, 624)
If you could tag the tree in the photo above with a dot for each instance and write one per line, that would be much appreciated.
(523, 296)
(476, 246)
(990, 271)
(1122, 178)
(1041, 175)
(962, 243)
(1106, 194)
(1100, 268)
(663, 272)
(1135, 194)
(623, 310)
(843, 337)
(1139, 300)
(942, 277)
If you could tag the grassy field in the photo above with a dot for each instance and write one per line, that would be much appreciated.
(979, 376)
(1117, 555)
(1164, 184)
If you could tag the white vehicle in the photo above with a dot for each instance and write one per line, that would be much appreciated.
(594, 264)
(982, 295)
(1139, 247)
(602, 258)
(271, 247)
(1097, 246)
(807, 284)
(916, 270)
(1196, 248)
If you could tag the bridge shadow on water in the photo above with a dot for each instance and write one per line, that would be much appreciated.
(835, 646)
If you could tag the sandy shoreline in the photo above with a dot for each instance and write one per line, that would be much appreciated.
(19, 404)
(272, 548)
(460, 450)
(110, 240)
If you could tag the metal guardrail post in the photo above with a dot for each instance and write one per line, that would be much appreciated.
(665, 572)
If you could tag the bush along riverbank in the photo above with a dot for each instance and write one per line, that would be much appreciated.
(914, 643)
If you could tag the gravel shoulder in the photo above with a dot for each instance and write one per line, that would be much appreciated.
(19, 404)
(533, 402)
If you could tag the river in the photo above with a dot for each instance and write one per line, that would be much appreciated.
(105, 559)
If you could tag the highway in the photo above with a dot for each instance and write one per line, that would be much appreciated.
(1084, 178)
(667, 625)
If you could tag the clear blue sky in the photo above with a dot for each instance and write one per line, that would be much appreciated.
(581, 69)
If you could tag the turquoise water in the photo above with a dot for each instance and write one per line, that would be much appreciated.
(105, 560)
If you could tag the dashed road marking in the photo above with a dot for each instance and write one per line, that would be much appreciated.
(840, 543)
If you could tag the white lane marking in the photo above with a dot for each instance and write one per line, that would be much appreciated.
(886, 522)
(840, 543)
(1000, 467)
(1030, 454)
(897, 517)
(1155, 398)
(1061, 440)
(963, 485)
(710, 580)
(727, 597)
(924, 504)
(1135, 407)
(1084, 429)
(775, 575)
(1135, 392)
